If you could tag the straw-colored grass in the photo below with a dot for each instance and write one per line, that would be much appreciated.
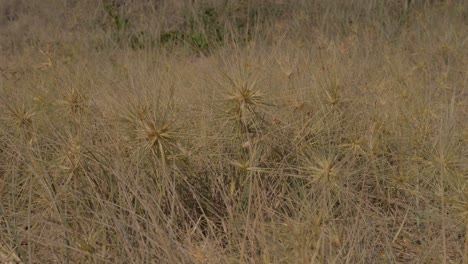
(233, 131)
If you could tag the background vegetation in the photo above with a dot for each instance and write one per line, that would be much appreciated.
(218, 131)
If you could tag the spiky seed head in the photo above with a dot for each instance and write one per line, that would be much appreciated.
(156, 136)
(245, 97)
(74, 100)
(322, 169)
(21, 116)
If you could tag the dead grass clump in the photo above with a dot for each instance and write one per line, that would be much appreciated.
(271, 143)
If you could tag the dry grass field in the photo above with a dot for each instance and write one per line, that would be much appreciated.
(222, 131)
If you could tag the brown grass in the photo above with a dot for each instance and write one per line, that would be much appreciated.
(233, 131)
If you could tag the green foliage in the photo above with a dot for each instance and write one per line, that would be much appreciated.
(199, 41)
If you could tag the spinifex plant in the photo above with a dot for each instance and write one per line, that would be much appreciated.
(160, 139)
(246, 103)
(21, 117)
(74, 101)
(149, 129)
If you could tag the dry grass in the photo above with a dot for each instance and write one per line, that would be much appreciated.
(247, 132)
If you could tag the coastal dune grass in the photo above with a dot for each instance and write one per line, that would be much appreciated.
(234, 132)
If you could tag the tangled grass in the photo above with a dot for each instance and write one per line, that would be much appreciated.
(299, 137)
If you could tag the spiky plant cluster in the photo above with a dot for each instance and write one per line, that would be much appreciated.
(22, 117)
(322, 170)
(74, 101)
(147, 126)
(245, 103)
(160, 139)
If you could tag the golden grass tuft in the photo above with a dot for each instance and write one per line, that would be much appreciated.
(159, 138)
(73, 100)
